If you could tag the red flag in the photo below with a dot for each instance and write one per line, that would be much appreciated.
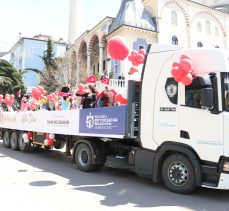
(19, 93)
(91, 79)
(105, 80)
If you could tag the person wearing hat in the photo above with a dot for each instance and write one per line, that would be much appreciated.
(89, 98)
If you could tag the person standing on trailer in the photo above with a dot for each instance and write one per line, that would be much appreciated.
(89, 98)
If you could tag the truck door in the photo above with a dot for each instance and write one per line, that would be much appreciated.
(199, 127)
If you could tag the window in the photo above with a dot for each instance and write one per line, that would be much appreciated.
(208, 27)
(225, 84)
(199, 27)
(174, 18)
(174, 40)
(193, 91)
(216, 32)
(104, 65)
(171, 88)
(199, 44)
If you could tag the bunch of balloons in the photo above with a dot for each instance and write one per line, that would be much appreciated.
(137, 58)
(182, 71)
(118, 50)
(52, 98)
(8, 100)
(38, 92)
(32, 105)
(49, 141)
(27, 136)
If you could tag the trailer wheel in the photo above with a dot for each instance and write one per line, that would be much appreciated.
(178, 174)
(24, 147)
(6, 139)
(14, 140)
(83, 158)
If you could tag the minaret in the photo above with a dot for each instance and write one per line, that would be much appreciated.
(74, 14)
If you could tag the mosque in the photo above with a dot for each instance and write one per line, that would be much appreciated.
(190, 24)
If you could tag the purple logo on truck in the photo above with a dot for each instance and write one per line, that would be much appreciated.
(103, 120)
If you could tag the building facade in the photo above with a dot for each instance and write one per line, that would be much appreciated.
(189, 24)
(27, 52)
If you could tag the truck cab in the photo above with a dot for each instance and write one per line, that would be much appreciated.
(190, 121)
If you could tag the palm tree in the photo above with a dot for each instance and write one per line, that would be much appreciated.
(11, 80)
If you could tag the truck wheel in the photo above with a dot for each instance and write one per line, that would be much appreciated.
(6, 139)
(14, 140)
(178, 174)
(24, 147)
(59, 144)
(83, 158)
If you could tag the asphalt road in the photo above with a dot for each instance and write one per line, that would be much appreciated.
(47, 180)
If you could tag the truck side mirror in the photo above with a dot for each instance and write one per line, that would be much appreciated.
(207, 98)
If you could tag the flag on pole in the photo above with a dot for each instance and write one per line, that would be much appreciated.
(105, 80)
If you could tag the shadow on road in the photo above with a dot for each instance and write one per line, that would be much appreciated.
(117, 187)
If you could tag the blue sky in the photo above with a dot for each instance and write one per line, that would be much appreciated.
(31, 17)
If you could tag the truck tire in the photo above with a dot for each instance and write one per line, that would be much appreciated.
(14, 140)
(83, 158)
(6, 139)
(59, 144)
(178, 174)
(24, 147)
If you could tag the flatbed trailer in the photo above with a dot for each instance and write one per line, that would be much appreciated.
(167, 132)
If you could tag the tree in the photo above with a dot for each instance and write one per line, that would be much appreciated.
(48, 56)
(49, 77)
(11, 80)
(50, 80)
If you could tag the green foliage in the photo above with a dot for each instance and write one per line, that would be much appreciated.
(48, 56)
(49, 78)
(11, 80)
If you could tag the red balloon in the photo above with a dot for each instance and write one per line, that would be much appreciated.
(41, 89)
(135, 63)
(134, 53)
(142, 52)
(133, 70)
(118, 98)
(177, 72)
(184, 57)
(117, 48)
(140, 58)
(50, 142)
(187, 79)
(52, 100)
(177, 78)
(186, 65)
(176, 64)
(12, 97)
(29, 135)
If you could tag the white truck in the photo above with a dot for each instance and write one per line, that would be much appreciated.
(167, 132)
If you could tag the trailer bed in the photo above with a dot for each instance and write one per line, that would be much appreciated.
(98, 122)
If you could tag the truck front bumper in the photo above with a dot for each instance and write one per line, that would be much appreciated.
(223, 181)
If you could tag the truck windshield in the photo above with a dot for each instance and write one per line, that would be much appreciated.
(225, 82)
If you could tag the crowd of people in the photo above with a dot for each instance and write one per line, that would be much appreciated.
(67, 100)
